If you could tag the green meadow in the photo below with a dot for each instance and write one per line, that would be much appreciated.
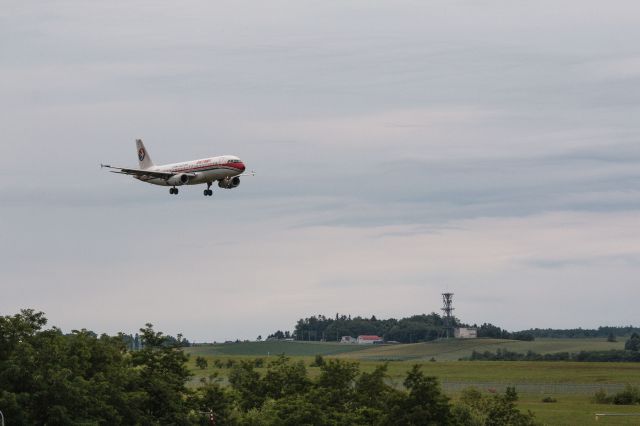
(441, 350)
(572, 384)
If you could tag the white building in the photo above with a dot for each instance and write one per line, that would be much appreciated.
(347, 339)
(465, 333)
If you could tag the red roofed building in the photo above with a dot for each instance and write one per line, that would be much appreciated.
(369, 340)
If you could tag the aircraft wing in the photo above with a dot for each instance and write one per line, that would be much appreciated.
(138, 172)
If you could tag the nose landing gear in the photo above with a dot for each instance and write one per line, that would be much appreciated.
(173, 191)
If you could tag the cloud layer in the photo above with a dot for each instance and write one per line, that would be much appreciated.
(403, 148)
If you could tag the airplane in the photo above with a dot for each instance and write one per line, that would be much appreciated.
(225, 169)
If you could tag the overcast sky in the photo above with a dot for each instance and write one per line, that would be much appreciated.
(402, 148)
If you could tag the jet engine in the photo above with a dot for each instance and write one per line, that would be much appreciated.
(229, 183)
(177, 180)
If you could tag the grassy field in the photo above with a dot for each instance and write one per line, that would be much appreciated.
(571, 408)
(577, 410)
(451, 350)
(402, 357)
(274, 348)
(443, 350)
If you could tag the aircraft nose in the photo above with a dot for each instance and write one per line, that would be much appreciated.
(241, 167)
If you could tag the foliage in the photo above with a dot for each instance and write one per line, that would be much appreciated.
(601, 397)
(201, 363)
(474, 408)
(633, 344)
(495, 332)
(580, 333)
(47, 377)
(318, 361)
(629, 396)
(417, 328)
(582, 356)
(425, 403)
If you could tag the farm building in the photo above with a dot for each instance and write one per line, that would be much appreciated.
(465, 333)
(369, 340)
(347, 339)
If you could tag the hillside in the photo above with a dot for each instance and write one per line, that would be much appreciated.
(451, 350)
(440, 350)
(274, 348)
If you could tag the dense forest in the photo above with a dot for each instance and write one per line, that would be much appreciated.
(49, 377)
(424, 327)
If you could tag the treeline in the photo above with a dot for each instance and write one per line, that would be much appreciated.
(47, 377)
(495, 332)
(417, 328)
(584, 356)
(631, 353)
(422, 328)
(577, 333)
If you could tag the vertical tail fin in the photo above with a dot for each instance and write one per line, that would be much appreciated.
(143, 155)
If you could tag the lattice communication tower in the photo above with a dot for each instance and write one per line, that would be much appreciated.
(447, 318)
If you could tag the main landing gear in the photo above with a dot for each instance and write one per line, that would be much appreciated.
(173, 191)
(208, 191)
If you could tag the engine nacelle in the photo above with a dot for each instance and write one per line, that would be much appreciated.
(229, 183)
(177, 180)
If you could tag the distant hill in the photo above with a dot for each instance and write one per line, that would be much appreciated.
(454, 349)
(440, 350)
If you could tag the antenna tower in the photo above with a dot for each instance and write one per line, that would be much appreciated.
(447, 318)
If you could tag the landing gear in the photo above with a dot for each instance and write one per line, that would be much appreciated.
(173, 191)
(208, 191)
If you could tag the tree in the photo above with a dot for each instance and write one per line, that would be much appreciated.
(246, 382)
(284, 378)
(611, 337)
(425, 403)
(48, 377)
(633, 344)
(292, 410)
(501, 410)
(371, 389)
(162, 373)
(211, 396)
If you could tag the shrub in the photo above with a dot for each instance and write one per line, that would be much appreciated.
(549, 399)
(318, 361)
(629, 396)
(201, 363)
(601, 397)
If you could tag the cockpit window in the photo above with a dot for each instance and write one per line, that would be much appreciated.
(233, 161)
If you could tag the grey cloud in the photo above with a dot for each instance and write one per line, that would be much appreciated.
(368, 123)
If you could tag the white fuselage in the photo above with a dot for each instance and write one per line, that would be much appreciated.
(199, 171)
